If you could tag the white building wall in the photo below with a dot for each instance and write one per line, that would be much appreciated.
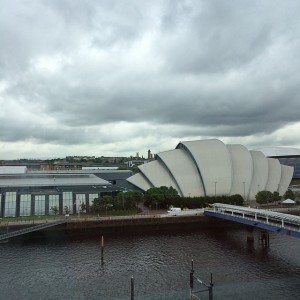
(286, 178)
(242, 168)
(158, 175)
(274, 175)
(259, 175)
(214, 164)
(184, 172)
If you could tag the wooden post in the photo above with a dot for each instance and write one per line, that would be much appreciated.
(132, 288)
(102, 247)
(192, 280)
(210, 288)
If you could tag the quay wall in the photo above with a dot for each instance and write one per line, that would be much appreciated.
(76, 228)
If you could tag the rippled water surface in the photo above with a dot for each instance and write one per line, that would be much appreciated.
(160, 264)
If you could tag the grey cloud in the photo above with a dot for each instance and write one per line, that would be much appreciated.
(210, 68)
(218, 36)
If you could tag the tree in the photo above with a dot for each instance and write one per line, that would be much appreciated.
(96, 205)
(82, 207)
(236, 199)
(128, 200)
(264, 197)
(102, 204)
(276, 197)
(289, 194)
(54, 209)
(67, 210)
(160, 197)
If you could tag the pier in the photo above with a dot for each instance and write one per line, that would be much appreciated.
(261, 218)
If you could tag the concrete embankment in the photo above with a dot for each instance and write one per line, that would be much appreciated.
(82, 228)
(79, 227)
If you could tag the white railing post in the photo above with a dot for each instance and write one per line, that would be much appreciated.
(282, 223)
(267, 218)
(255, 217)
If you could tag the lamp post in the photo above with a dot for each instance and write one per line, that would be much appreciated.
(244, 190)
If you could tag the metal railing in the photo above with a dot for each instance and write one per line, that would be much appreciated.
(277, 219)
(31, 229)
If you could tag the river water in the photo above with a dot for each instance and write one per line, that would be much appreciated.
(160, 263)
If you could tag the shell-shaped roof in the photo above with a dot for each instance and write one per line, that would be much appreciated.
(211, 168)
(183, 171)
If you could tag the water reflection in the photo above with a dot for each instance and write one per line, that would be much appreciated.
(60, 268)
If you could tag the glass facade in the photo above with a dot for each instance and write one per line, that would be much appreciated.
(68, 202)
(53, 202)
(39, 205)
(80, 198)
(25, 205)
(293, 162)
(92, 197)
(10, 204)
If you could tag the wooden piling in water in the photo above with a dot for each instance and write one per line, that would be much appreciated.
(102, 248)
(132, 288)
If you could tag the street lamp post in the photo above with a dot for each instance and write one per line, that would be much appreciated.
(244, 190)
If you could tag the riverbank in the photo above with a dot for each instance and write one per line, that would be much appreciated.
(96, 226)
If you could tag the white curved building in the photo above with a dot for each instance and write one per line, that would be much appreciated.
(286, 155)
(211, 168)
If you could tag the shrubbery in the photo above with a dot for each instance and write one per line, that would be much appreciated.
(265, 197)
(164, 197)
(123, 201)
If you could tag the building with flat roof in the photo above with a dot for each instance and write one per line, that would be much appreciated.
(34, 193)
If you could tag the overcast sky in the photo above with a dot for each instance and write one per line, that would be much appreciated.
(113, 78)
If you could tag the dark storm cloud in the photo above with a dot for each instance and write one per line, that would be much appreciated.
(69, 70)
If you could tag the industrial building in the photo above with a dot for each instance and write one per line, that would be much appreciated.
(24, 193)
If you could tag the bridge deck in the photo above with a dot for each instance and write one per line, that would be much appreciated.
(31, 229)
(261, 218)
